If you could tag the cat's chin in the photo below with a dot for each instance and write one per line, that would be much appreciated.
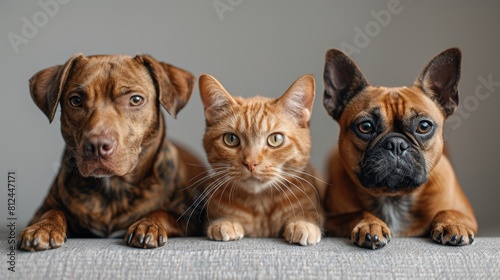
(253, 185)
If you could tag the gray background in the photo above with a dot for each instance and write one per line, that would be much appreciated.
(255, 47)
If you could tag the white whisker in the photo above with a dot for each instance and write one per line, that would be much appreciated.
(288, 188)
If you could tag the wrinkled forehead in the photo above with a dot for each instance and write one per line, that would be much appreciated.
(393, 103)
(112, 74)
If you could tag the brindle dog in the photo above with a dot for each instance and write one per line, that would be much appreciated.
(119, 172)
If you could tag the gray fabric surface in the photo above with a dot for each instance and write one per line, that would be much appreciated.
(250, 258)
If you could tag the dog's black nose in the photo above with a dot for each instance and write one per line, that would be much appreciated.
(396, 145)
(99, 146)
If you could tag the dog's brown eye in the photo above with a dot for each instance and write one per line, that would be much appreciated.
(136, 100)
(424, 127)
(365, 127)
(231, 139)
(75, 101)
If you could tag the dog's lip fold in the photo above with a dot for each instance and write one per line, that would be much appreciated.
(98, 172)
(396, 180)
(391, 184)
(97, 168)
(101, 173)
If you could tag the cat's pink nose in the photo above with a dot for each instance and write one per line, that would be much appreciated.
(250, 165)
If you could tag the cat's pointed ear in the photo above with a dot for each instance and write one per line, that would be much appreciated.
(299, 98)
(440, 77)
(343, 80)
(215, 98)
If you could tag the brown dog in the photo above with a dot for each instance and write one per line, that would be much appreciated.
(119, 171)
(388, 175)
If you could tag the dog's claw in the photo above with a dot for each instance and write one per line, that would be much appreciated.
(440, 237)
(454, 238)
(462, 240)
(129, 239)
(368, 237)
(147, 239)
(35, 242)
(141, 238)
(160, 240)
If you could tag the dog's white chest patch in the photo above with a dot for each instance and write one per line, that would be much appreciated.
(394, 211)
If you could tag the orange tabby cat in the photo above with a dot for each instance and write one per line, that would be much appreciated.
(262, 184)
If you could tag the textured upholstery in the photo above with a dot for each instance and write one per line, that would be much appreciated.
(250, 258)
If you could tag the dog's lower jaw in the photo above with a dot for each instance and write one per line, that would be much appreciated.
(391, 181)
(102, 169)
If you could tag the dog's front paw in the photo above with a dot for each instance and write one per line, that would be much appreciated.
(371, 234)
(303, 233)
(146, 233)
(452, 234)
(224, 230)
(41, 236)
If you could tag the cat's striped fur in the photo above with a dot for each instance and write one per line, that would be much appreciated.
(261, 181)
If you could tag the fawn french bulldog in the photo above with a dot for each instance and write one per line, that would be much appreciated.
(388, 176)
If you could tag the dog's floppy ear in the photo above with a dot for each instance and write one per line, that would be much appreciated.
(174, 86)
(440, 77)
(47, 85)
(343, 80)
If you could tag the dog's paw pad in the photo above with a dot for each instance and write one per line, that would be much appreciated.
(146, 233)
(452, 234)
(42, 236)
(303, 233)
(225, 231)
(371, 235)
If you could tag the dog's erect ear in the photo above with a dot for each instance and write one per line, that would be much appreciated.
(47, 85)
(216, 100)
(440, 77)
(299, 98)
(343, 80)
(174, 86)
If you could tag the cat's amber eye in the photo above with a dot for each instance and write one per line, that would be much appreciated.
(231, 139)
(275, 140)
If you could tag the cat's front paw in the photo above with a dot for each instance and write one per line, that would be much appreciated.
(371, 234)
(302, 232)
(224, 230)
(452, 234)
